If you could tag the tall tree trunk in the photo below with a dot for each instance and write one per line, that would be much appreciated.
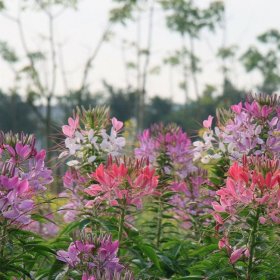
(146, 68)
(185, 69)
(48, 126)
(138, 55)
(193, 66)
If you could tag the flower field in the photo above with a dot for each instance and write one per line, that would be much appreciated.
(162, 206)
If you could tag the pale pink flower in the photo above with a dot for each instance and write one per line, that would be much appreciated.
(208, 123)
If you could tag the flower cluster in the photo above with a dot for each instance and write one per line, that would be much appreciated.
(254, 188)
(127, 182)
(167, 141)
(74, 186)
(93, 258)
(192, 200)
(87, 140)
(249, 128)
(23, 175)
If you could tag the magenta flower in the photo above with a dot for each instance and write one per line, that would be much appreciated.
(170, 142)
(23, 176)
(191, 199)
(93, 258)
(86, 276)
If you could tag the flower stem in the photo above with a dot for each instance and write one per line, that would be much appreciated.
(121, 223)
(252, 244)
(159, 223)
(3, 240)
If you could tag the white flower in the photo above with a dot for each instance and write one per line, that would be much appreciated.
(72, 163)
(258, 130)
(91, 159)
(93, 139)
(112, 144)
(199, 144)
(216, 156)
(205, 159)
(196, 156)
(222, 147)
(217, 131)
(208, 138)
(231, 148)
(79, 137)
(63, 154)
(70, 143)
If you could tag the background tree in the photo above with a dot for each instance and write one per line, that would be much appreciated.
(265, 60)
(188, 20)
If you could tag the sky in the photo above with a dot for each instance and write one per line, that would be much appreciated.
(77, 33)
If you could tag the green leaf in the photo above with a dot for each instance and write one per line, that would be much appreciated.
(69, 228)
(151, 254)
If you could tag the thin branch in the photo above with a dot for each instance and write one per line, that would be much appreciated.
(53, 54)
(146, 67)
(63, 72)
(35, 73)
(193, 68)
(126, 70)
(93, 56)
(149, 46)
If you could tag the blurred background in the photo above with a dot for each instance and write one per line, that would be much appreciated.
(149, 60)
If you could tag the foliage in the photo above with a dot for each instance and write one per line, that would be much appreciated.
(156, 217)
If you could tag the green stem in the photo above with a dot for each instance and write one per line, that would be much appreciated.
(159, 223)
(252, 244)
(3, 241)
(121, 223)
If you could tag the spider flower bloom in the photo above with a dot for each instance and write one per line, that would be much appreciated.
(191, 200)
(248, 128)
(24, 176)
(249, 201)
(93, 258)
(252, 184)
(170, 142)
(129, 181)
(90, 137)
(73, 183)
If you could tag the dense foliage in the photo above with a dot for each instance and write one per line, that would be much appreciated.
(160, 208)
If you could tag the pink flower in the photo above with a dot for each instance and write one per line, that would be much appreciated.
(218, 207)
(207, 123)
(218, 218)
(262, 220)
(236, 255)
(23, 150)
(237, 108)
(224, 243)
(117, 125)
(129, 181)
(70, 256)
(86, 276)
(70, 129)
